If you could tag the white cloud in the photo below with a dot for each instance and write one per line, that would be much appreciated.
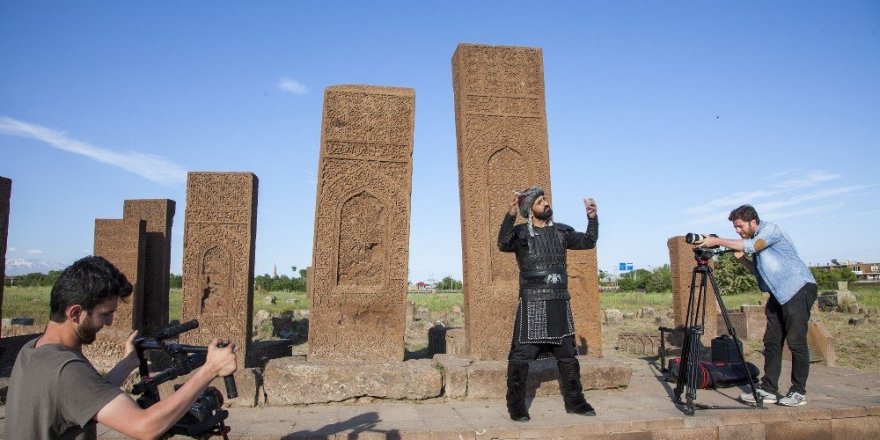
(784, 199)
(11, 249)
(292, 86)
(148, 166)
(34, 251)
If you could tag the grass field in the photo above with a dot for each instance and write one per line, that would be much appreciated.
(856, 346)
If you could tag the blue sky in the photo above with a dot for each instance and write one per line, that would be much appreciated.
(668, 114)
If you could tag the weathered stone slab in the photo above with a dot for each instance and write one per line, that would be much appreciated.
(501, 125)
(292, 382)
(358, 279)
(681, 266)
(158, 215)
(121, 242)
(583, 285)
(456, 342)
(488, 379)
(798, 430)
(5, 193)
(218, 258)
(454, 375)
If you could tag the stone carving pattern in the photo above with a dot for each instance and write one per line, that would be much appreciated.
(121, 242)
(159, 215)
(5, 193)
(358, 278)
(583, 285)
(218, 258)
(502, 145)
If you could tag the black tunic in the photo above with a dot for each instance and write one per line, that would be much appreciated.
(544, 313)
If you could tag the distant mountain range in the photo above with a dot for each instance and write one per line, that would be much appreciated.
(24, 266)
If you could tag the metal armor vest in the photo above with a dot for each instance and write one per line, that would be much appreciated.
(542, 265)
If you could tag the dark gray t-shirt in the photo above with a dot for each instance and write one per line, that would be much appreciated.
(54, 393)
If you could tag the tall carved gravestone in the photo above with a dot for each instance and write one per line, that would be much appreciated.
(218, 258)
(121, 242)
(501, 126)
(583, 286)
(681, 267)
(358, 278)
(158, 215)
(5, 193)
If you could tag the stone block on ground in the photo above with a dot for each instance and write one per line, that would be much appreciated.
(454, 375)
(488, 379)
(292, 382)
(456, 342)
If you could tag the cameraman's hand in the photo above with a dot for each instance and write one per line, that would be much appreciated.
(710, 242)
(590, 204)
(221, 361)
(129, 343)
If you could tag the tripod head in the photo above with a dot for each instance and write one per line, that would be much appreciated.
(703, 255)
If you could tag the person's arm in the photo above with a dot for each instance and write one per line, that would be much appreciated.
(506, 237)
(748, 264)
(730, 243)
(126, 365)
(123, 414)
(587, 240)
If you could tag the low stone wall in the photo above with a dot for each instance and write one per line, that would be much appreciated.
(295, 381)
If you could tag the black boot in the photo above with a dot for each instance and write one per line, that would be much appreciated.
(572, 391)
(517, 377)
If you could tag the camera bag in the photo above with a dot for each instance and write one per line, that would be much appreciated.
(724, 349)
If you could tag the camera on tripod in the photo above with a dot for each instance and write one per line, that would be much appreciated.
(205, 417)
(701, 253)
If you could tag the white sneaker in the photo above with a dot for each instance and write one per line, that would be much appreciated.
(793, 399)
(767, 396)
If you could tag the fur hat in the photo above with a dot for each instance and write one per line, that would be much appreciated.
(527, 199)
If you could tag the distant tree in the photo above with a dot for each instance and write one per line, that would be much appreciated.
(732, 277)
(37, 279)
(828, 278)
(635, 280)
(660, 280)
(175, 281)
(449, 283)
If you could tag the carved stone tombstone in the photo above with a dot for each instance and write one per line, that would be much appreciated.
(158, 215)
(121, 242)
(583, 286)
(5, 193)
(357, 282)
(501, 125)
(681, 267)
(218, 258)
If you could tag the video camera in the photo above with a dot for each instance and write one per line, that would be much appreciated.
(205, 417)
(700, 253)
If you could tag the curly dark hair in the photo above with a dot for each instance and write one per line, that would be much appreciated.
(88, 282)
(745, 213)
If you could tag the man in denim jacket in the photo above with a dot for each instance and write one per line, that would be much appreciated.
(779, 270)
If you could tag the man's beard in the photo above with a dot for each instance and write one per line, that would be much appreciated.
(544, 215)
(85, 335)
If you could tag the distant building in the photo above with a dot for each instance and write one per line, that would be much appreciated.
(863, 271)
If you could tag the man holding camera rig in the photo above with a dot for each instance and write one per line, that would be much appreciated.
(544, 322)
(55, 392)
(793, 291)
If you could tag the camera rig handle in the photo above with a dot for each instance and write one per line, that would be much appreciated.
(229, 381)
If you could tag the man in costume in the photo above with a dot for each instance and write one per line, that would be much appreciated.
(544, 322)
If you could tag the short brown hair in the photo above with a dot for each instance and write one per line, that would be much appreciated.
(745, 213)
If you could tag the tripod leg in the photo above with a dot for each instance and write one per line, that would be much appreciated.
(759, 401)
